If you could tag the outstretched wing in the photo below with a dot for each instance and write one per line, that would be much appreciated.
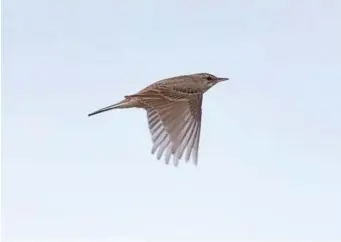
(175, 127)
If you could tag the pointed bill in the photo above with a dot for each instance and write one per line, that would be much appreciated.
(221, 79)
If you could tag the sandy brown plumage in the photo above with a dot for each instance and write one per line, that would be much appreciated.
(173, 107)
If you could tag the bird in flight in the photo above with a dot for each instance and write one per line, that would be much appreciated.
(173, 107)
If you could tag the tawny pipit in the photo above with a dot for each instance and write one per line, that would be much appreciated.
(173, 108)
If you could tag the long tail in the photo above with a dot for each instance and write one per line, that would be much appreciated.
(122, 104)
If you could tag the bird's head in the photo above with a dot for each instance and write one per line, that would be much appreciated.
(209, 80)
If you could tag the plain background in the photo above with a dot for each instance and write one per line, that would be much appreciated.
(269, 161)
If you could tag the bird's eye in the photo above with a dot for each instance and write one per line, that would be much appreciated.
(209, 78)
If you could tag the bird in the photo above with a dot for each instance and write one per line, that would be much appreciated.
(174, 113)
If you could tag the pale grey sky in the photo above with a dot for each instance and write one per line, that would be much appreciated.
(270, 156)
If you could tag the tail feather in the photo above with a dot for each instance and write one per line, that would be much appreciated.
(121, 104)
